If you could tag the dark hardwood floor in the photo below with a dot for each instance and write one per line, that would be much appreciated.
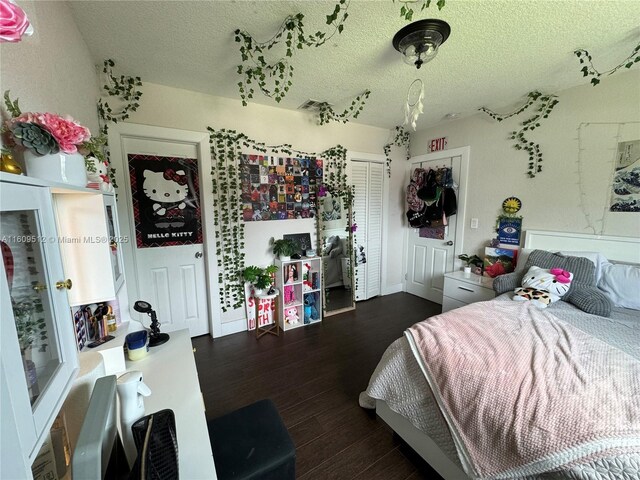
(314, 375)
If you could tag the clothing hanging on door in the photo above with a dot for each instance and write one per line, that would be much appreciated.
(431, 197)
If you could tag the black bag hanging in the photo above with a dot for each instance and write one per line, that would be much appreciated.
(429, 191)
(418, 219)
(450, 203)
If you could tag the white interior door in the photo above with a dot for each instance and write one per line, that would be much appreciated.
(170, 274)
(428, 259)
(368, 181)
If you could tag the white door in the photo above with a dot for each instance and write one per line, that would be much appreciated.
(368, 180)
(428, 259)
(163, 200)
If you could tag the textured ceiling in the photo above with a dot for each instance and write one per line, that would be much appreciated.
(497, 52)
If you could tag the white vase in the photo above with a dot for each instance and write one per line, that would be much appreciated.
(58, 167)
(467, 271)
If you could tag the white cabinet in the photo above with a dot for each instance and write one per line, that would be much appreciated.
(84, 242)
(368, 182)
(300, 286)
(38, 352)
(460, 290)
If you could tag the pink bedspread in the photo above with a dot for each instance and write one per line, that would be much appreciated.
(524, 392)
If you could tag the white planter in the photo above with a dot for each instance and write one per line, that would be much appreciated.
(58, 167)
(467, 271)
(284, 258)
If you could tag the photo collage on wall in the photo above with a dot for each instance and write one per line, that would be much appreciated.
(276, 188)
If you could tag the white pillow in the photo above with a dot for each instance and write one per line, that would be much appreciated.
(621, 283)
(523, 256)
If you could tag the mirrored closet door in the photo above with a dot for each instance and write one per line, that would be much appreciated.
(336, 240)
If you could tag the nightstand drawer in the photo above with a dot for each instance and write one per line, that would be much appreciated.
(467, 292)
(449, 303)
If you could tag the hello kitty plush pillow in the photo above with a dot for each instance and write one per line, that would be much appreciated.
(543, 287)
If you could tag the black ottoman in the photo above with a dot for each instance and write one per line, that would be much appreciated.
(252, 443)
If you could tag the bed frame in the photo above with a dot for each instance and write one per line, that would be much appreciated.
(618, 249)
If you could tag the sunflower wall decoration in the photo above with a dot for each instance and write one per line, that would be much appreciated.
(509, 226)
(511, 205)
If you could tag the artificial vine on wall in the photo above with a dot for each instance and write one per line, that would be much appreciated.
(257, 71)
(401, 138)
(407, 12)
(545, 104)
(226, 150)
(589, 70)
(124, 90)
(326, 113)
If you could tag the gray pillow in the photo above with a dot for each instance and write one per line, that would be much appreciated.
(583, 292)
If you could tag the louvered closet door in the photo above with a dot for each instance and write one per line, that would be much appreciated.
(367, 178)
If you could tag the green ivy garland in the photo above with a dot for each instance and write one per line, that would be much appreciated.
(229, 227)
(326, 113)
(546, 103)
(401, 138)
(125, 90)
(256, 70)
(407, 12)
(335, 182)
(588, 70)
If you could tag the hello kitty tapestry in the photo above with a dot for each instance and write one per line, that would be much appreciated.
(275, 188)
(166, 206)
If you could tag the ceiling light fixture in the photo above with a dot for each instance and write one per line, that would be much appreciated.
(419, 41)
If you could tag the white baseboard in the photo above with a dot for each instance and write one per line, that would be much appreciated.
(391, 289)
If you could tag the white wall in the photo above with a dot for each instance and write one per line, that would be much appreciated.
(187, 110)
(52, 70)
(553, 200)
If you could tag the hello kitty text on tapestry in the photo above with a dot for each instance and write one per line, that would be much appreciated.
(165, 195)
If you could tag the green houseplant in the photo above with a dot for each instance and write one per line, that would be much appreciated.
(470, 260)
(260, 278)
(284, 248)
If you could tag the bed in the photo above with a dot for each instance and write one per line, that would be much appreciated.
(400, 389)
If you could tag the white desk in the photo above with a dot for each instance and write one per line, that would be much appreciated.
(170, 372)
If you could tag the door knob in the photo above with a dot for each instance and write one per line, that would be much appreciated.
(64, 284)
(198, 254)
(449, 243)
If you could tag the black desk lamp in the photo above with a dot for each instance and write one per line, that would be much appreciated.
(155, 337)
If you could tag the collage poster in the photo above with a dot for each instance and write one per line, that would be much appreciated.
(276, 188)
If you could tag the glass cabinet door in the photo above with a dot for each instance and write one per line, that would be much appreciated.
(37, 331)
(114, 240)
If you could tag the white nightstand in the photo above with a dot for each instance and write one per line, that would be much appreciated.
(460, 290)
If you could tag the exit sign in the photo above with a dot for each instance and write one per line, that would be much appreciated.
(437, 144)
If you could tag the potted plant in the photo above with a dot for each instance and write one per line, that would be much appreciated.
(284, 248)
(49, 143)
(260, 278)
(470, 260)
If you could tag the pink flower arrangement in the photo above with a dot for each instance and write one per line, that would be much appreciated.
(65, 130)
(13, 22)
